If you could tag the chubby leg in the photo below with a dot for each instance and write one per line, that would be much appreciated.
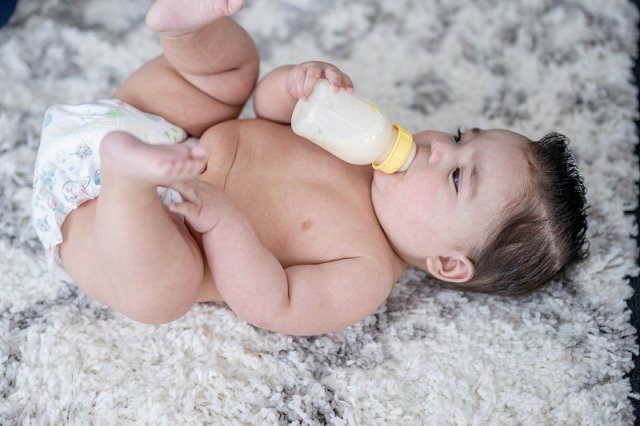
(207, 72)
(125, 249)
(184, 15)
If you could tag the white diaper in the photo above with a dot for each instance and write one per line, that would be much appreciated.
(67, 169)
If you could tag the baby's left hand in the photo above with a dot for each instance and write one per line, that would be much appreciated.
(302, 78)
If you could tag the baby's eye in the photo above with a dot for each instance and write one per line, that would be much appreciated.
(458, 136)
(455, 176)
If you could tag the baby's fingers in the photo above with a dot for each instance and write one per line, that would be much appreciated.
(187, 189)
(193, 214)
(190, 206)
(311, 77)
(338, 79)
(186, 208)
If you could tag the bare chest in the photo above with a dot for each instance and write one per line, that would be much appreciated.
(305, 205)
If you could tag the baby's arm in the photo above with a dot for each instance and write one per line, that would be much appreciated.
(278, 91)
(299, 300)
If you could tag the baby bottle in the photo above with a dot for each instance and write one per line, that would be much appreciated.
(353, 129)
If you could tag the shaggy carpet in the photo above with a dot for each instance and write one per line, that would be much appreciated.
(427, 356)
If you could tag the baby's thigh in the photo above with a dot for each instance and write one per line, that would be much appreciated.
(78, 252)
(81, 258)
(179, 102)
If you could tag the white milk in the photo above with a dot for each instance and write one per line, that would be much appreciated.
(353, 129)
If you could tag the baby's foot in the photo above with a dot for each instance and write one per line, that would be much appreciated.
(122, 155)
(178, 16)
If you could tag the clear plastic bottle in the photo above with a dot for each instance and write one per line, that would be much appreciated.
(353, 129)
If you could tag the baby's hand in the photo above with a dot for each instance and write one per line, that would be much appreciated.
(203, 204)
(302, 78)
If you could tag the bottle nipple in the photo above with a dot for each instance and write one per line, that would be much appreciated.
(401, 154)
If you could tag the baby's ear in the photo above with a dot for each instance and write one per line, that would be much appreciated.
(457, 268)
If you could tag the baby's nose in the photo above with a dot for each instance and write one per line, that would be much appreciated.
(438, 150)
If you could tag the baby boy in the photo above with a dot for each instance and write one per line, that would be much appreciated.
(291, 238)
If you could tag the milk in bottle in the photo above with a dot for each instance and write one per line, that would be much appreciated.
(353, 129)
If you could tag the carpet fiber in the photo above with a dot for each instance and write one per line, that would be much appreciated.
(427, 356)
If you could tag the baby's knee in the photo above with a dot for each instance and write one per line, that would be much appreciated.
(247, 74)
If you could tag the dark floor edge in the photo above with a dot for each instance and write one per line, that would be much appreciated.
(634, 302)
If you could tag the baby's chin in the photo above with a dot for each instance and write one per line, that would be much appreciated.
(384, 185)
(381, 179)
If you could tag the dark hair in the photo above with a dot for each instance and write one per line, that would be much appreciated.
(544, 232)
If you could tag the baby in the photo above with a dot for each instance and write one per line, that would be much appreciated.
(291, 238)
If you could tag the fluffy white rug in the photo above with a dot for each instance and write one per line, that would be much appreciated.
(427, 356)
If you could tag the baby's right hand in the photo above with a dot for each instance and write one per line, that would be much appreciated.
(203, 204)
(302, 78)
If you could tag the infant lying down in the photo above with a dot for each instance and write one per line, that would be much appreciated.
(292, 238)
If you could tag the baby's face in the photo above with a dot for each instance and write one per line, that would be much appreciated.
(451, 195)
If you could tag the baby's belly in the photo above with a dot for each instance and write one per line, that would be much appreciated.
(306, 206)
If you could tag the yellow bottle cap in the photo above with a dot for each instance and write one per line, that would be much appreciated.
(398, 154)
